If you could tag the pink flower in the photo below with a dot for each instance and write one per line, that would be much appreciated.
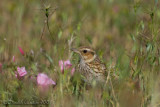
(67, 64)
(13, 58)
(44, 80)
(61, 66)
(72, 71)
(21, 51)
(21, 72)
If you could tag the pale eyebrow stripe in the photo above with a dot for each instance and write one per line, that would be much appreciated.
(87, 49)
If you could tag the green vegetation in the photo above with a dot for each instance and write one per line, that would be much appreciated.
(124, 33)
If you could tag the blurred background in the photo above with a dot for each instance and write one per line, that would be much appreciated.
(124, 33)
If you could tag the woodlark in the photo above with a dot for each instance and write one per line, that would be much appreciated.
(90, 66)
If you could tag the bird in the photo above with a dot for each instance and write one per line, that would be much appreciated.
(90, 66)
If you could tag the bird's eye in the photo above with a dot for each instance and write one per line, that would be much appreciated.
(84, 51)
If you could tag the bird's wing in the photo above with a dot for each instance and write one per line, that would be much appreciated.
(98, 64)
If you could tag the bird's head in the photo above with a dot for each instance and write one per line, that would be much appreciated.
(86, 54)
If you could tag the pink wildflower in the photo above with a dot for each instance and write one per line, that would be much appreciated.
(61, 66)
(72, 71)
(44, 80)
(21, 72)
(13, 58)
(21, 51)
(67, 64)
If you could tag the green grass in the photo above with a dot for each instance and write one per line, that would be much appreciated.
(125, 34)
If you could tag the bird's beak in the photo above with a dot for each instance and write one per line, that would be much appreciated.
(75, 50)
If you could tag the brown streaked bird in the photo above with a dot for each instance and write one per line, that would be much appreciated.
(90, 65)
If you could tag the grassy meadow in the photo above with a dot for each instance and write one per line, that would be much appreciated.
(37, 34)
